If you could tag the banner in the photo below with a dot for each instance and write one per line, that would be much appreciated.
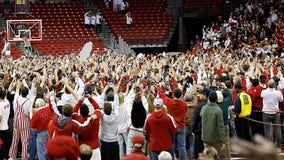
(85, 52)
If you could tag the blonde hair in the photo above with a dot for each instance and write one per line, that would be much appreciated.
(164, 108)
(85, 149)
(40, 102)
(164, 155)
(237, 80)
(211, 151)
(121, 98)
(150, 100)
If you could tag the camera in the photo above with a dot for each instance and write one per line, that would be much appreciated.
(137, 89)
(132, 80)
(110, 84)
(146, 88)
(86, 93)
(17, 76)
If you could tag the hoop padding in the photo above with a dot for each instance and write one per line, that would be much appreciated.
(21, 30)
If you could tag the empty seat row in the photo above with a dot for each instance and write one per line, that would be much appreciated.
(150, 23)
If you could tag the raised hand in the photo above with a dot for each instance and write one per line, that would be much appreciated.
(261, 149)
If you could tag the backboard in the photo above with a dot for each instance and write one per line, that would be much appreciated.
(21, 30)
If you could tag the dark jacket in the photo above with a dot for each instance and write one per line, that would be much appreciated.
(196, 120)
(225, 105)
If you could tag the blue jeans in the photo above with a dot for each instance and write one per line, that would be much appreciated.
(179, 139)
(232, 126)
(42, 138)
(122, 140)
(155, 154)
(189, 140)
(32, 145)
(130, 136)
(274, 119)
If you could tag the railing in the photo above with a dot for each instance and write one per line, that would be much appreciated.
(121, 47)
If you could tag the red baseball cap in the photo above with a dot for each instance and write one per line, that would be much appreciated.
(138, 141)
(62, 147)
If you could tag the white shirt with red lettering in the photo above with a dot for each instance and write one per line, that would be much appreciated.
(4, 113)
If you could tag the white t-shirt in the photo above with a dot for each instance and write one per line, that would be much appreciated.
(119, 2)
(128, 20)
(4, 112)
(122, 6)
(93, 20)
(87, 18)
(68, 99)
(271, 98)
(98, 19)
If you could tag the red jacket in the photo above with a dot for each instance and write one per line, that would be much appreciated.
(41, 119)
(90, 137)
(50, 129)
(79, 118)
(159, 127)
(177, 108)
(137, 155)
(244, 83)
(254, 93)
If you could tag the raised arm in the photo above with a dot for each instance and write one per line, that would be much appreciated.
(78, 104)
(163, 95)
(54, 105)
(145, 102)
(94, 103)
(70, 89)
(80, 86)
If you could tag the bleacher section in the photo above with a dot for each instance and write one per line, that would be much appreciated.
(150, 23)
(63, 28)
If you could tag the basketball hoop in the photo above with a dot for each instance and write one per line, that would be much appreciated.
(17, 29)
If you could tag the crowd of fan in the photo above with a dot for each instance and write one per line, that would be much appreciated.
(154, 104)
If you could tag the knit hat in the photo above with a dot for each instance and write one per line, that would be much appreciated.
(158, 102)
(62, 147)
(138, 141)
(220, 97)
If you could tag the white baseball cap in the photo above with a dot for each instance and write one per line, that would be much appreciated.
(158, 102)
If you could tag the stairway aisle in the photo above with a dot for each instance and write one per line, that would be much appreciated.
(105, 36)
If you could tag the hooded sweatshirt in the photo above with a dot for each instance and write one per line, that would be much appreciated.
(175, 107)
(159, 127)
(66, 126)
(109, 123)
(61, 125)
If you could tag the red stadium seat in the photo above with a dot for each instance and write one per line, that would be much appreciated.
(145, 16)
